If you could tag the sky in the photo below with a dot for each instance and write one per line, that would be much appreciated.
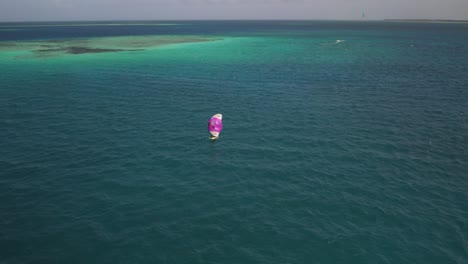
(71, 10)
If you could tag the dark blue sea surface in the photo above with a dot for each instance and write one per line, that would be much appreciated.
(343, 142)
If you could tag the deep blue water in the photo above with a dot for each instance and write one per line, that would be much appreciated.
(332, 152)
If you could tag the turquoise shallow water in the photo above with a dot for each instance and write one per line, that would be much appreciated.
(350, 151)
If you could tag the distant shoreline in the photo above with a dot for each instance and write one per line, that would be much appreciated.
(148, 21)
(427, 20)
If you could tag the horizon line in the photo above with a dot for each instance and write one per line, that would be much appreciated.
(253, 19)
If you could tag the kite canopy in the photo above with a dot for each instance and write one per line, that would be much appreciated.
(215, 125)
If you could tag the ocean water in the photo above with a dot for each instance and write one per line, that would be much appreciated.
(343, 142)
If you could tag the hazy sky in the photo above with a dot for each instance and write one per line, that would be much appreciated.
(49, 10)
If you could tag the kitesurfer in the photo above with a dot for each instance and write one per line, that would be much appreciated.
(215, 125)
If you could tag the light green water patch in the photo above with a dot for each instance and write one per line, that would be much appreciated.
(261, 52)
(62, 47)
(272, 50)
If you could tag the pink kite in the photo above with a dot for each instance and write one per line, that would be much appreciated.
(215, 125)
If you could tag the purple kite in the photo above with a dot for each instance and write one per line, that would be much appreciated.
(215, 125)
